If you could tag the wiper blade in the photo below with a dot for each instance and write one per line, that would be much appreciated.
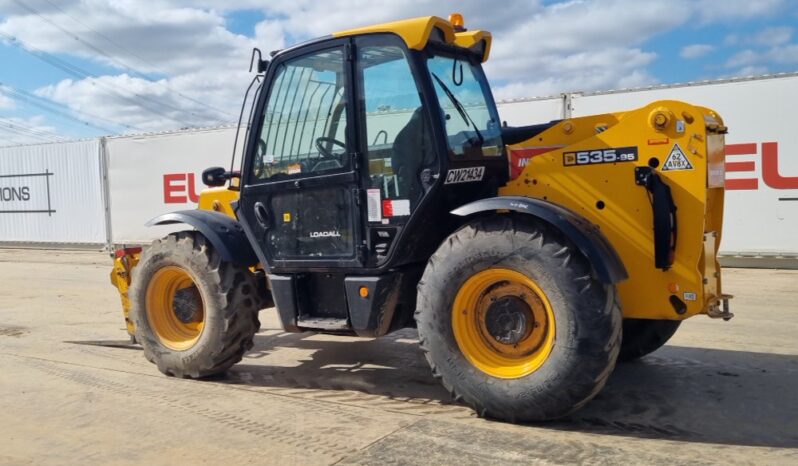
(454, 100)
(459, 106)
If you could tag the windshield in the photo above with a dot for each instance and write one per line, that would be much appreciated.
(472, 124)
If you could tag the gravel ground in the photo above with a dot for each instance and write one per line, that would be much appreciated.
(72, 391)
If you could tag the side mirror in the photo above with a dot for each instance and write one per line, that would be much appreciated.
(262, 65)
(215, 176)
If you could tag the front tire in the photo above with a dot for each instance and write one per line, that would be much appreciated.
(515, 323)
(195, 315)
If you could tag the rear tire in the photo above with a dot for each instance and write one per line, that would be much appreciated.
(195, 315)
(644, 336)
(537, 385)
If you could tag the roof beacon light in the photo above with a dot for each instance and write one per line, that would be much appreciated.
(457, 21)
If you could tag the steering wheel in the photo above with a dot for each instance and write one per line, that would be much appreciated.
(325, 153)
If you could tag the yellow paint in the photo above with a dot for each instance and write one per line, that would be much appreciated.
(627, 219)
(506, 361)
(416, 32)
(286, 217)
(120, 278)
(660, 117)
(219, 200)
(468, 39)
(161, 317)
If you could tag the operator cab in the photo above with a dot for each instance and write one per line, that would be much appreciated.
(361, 145)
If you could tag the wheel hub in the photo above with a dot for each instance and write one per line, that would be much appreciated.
(187, 305)
(509, 320)
(174, 308)
(503, 323)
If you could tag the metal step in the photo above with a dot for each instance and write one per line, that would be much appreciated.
(323, 323)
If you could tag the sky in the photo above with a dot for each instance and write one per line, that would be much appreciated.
(83, 68)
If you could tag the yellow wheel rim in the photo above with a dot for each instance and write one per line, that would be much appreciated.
(175, 310)
(503, 323)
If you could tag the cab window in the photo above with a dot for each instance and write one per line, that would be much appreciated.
(402, 161)
(304, 120)
(470, 117)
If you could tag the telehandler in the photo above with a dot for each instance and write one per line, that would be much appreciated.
(378, 190)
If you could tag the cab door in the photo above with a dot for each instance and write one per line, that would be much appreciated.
(300, 197)
(401, 155)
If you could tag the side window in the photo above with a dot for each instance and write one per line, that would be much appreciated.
(304, 121)
(402, 161)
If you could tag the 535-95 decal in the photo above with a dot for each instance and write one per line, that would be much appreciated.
(592, 157)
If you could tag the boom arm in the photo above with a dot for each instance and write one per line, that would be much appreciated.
(593, 166)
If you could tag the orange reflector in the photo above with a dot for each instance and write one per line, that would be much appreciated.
(457, 20)
(656, 142)
(119, 253)
(364, 292)
(673, 287)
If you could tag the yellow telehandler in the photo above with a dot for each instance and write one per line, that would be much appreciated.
(379, 190)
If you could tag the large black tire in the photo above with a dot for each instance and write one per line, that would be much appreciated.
(644, 336)
(227, 295)
(586, 313)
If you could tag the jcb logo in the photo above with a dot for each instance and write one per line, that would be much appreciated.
(770, 167)
(179, 188)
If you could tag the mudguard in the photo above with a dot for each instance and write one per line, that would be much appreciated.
(586, 236)
(225, 233)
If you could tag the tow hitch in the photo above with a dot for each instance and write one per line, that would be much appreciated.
(719, 309)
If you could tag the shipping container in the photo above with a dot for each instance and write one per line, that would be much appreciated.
(52, 194)
(152, 174)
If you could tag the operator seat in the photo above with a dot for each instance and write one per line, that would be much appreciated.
(412, 154)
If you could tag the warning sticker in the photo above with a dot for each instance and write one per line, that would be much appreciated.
(387, 208)
(401, 207)
(373, 199)
(676, 160)
(395, 207)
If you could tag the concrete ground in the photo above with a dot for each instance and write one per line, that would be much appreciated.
(72, 391)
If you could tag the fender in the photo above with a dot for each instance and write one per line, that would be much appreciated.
(586, 236)
(224, 233)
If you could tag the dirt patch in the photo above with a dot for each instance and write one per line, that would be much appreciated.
(12, 331)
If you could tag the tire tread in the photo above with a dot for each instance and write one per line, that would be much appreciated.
(232, 284)
(591, 373)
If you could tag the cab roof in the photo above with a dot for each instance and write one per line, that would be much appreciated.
(416, 33)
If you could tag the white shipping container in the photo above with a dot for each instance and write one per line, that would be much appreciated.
(153, 174)
(52, 193)
(530, 112)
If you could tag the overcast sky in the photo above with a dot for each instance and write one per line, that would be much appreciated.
(79, 68)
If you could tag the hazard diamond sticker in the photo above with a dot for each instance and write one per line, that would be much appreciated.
(676, 160)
